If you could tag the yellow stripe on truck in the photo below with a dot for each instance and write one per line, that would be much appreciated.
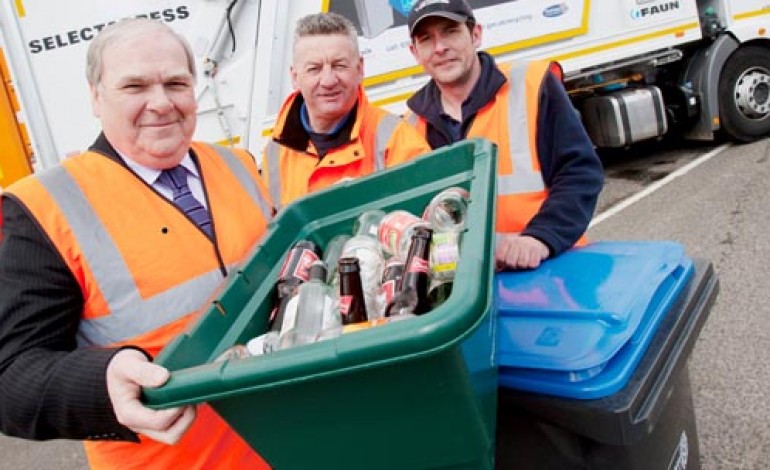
(675, 31)
(752, 14)
(20, 9)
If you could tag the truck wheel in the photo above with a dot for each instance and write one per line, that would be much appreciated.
(744, 94)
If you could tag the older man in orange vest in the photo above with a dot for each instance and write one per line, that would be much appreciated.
(108, 256)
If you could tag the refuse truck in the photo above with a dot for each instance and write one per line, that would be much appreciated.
(636, 69)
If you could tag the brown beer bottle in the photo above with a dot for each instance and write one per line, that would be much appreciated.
(412, 296)
(391, 279)
(352, 302)
(295, 271)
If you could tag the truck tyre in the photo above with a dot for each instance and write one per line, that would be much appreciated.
(744, 94)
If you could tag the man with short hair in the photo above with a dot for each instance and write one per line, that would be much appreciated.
(327, 130)
(549, 176)
(108, 256)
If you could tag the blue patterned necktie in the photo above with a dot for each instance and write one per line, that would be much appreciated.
(176, 180)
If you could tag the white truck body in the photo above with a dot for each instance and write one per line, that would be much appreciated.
(609, 51)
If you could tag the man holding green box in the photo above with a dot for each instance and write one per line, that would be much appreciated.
(107, 257)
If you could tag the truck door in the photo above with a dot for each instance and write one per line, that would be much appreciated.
(14, 158)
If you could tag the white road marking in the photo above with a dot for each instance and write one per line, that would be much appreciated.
(656, 185)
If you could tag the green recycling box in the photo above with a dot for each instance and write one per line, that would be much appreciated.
(420, 393)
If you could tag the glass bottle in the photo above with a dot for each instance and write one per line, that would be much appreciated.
(447, 214)
(439, 292)
(368, 223)
(396, 230)
(314, 298)
(332, 253)
(413, 293)
(294, 271)
(352, 302)
(447, 211)
(444, 255)
(370, 258)
(391, 280)
(239, 351)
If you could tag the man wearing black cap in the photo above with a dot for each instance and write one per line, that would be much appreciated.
(549, 176)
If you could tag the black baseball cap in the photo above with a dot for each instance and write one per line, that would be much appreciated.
(455, 10)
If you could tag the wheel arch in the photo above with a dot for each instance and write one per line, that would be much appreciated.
(703, 73)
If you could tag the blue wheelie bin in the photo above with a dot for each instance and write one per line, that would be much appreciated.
(593, 358)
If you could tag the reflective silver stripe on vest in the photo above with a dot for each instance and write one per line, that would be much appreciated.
(411, 118)
(130, 314)
(524, 179)
(244, 177)
(385, 129)
(273, 154)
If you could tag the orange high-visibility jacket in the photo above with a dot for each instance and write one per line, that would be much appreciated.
(145, 270)
(378, 140)
(510, 121)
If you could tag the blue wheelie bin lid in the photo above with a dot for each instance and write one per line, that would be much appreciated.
(578, 325)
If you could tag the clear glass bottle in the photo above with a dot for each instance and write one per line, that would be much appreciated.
(396, 230)
(448, 210)
(438, 293)
(294, 271)
(447, 215)
(239, 351)
(314, 299)
(444, 255)
(332, 253)
(368, 223)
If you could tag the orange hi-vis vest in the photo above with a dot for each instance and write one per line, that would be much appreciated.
(378, 140)
(145, 270)
(510, 121)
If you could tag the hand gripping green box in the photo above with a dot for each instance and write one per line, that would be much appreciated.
(420, 393)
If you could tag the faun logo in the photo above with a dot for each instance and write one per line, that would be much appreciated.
(646, 12)
(424, 3)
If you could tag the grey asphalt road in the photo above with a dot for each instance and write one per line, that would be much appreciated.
(719, 212)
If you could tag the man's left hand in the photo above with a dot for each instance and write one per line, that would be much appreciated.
(514, 251)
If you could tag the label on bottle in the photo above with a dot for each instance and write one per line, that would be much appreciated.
(285, 265)
(297, 265)
(445, 258)
(392, 229)
(290, 315)
(306, 259)
(418, 265)
(345, 302)
(388, 291)
(444, 254)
